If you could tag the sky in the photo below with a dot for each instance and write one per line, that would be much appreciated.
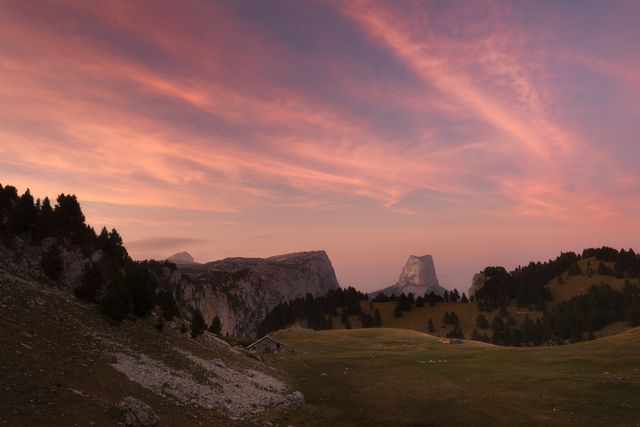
(482, 133)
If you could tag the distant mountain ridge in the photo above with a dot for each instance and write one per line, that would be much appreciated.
(418, 277)
(181, 258)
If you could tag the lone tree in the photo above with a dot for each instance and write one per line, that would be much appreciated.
(430, 327)
(216, 326)
(481, 322)
(377, 320)
(197, 324)
(51, 263)
(397, 312)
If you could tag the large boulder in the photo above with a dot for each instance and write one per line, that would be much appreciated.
(135, 413)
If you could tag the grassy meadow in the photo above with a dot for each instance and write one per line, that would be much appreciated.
(393, 377)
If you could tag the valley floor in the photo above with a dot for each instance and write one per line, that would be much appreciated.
(392, 377)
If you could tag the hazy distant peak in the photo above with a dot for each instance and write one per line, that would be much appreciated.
(418, 277)
(181, 258)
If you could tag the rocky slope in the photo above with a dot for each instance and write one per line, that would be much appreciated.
(241, 291)
(418, 277)
(62, 363)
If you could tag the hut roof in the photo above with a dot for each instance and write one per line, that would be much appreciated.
(266, 337)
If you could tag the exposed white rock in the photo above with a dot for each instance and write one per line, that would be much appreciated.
(418, 277)
(236, 393)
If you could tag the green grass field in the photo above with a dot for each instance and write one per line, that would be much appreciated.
(392, 377)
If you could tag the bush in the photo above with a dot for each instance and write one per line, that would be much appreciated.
(168, 305)
(91, 285)
(377, 320)
(397, 312)
(216, 326)
(481, 322)
(51, 263)
(116, 302)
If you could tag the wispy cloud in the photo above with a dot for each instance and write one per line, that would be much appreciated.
(226, 119)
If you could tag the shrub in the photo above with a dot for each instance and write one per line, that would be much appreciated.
(168, 305)
(216, 326)
(116, 302)
(51, 263)
(197, 324)
(91, 284)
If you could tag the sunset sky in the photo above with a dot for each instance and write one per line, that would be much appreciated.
(481, 133)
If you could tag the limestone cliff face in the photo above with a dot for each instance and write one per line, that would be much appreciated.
(241, 291)
(478, 281)
(418, 277)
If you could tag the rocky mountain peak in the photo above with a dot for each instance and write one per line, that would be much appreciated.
(181, 258)
(418, 276)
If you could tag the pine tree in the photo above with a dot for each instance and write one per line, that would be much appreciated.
(168, 305)
(116, 302)
(51, 263)
(197, 324)
(377, 320)
(481, 322)
(574, 269)
(397, 312)
(216, 326)
(344, 316)
(446, 318)
(503, 311)
(91, 284)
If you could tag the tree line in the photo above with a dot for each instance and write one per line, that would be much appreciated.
(319, 310)
(568, 321)
(120, 286)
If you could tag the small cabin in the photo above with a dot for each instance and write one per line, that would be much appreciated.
(267, 344)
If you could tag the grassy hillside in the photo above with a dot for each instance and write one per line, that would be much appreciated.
(391, 377)
(59, 366)
(561, 290)
(578, 285)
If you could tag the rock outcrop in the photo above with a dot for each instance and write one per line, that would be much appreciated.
(477, 282)
(418, 277)
(241, 291)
